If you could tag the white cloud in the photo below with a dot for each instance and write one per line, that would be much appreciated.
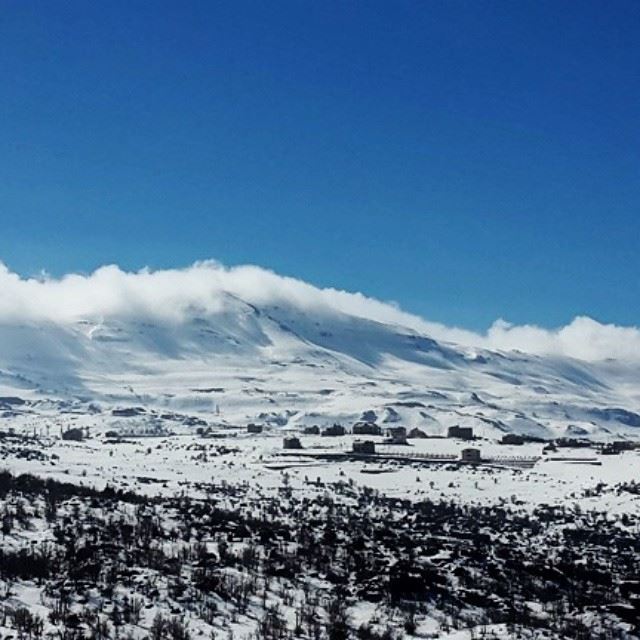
(173, 293)
(583, 338)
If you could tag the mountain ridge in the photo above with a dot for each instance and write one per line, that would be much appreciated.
(309, 366)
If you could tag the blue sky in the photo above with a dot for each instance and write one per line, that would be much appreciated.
(468, 160)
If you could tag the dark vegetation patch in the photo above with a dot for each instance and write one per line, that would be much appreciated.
(242, 554)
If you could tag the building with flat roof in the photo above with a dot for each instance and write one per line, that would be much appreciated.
(365, 447)
(470, 455)
(335, 430)
(464, 433)
(396, 435)
(366, 429)
(291, 442)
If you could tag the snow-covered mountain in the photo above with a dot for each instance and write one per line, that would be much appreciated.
(289, 364)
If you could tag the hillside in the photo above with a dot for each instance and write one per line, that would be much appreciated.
(291, 365)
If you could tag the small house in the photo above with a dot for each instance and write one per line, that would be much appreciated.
(366, 429)
(335, 430)
(396, 435)
(397, 432)
(254, 428)
(364, 447)
(470, 455)
(464, 433)
(291, 442)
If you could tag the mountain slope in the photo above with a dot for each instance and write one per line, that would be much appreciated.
(285, 364)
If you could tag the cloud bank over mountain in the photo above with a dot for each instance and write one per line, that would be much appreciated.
(171, 295)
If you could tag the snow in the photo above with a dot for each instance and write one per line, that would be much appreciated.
(289, 366)
(165, 465)
(285, 367)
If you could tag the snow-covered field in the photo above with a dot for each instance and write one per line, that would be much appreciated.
(165, 482)
(166, 465)
(268, 543)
